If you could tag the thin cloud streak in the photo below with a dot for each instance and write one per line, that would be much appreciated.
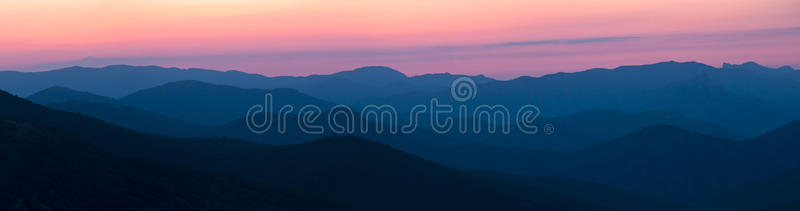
(502, 59)
(573, 41)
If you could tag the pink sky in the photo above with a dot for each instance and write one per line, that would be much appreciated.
(299, 37)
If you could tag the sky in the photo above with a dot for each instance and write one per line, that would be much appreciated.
(498, 38)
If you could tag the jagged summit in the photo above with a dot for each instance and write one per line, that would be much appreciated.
(746, 65)
(372, 75)
(753, 66)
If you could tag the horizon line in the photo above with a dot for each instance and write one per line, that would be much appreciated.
(793, 67)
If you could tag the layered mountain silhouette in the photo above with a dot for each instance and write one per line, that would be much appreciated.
(703, 99)
(345, 169)
(667, 162)
(663, 161)
(747, 98)
(191, 98)
(665, 136)
(675, 162)
(746, 101)
(585, 128)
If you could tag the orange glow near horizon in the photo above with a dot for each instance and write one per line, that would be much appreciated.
(41, 31)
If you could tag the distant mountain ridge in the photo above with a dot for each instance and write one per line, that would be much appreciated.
(593, 88)
(755, 67)
(736, 98)
(120, 80)
(139, 77)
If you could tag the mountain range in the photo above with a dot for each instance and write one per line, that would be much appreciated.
(744, 99)
(748, 98)
(120, 80)
(668, 155)
(664, 136)
(345, 169)
(662, 161)
(171, 107)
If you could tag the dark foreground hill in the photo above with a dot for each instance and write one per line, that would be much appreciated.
(783, 189)
(663, 161)
(359, 173)
(675, 164)
(45, 170)
(58, 94)
(593, 193)
(135, 119)
(778, 192)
